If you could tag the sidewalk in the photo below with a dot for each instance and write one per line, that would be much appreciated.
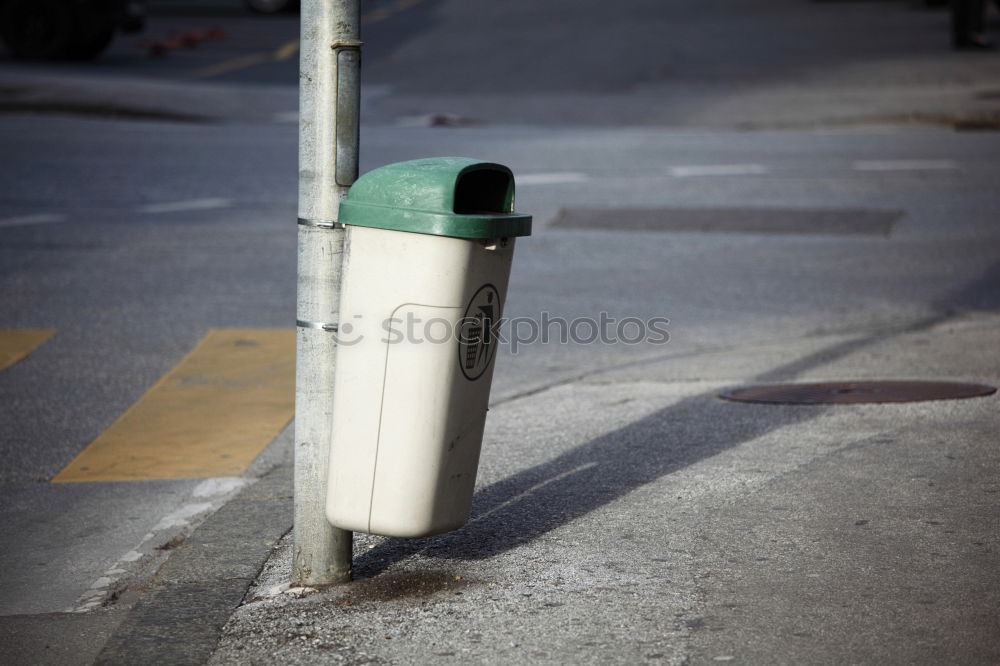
(634, 517)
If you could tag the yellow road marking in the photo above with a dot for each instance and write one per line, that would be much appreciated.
(383, 13)
(290, 49)
(233, 65)
(287, 51)
(16, 344)
(282, 53)
(209, 416)
(376, 15)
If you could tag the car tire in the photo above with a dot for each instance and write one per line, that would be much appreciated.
(38, 29)
(94, 34)
(271, 6)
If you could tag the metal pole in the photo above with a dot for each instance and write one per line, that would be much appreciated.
(329, 99)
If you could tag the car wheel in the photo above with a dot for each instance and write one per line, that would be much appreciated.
(94, 34)
(271, 6)
(38, 28)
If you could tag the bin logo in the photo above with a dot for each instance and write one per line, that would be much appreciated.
(477, 338)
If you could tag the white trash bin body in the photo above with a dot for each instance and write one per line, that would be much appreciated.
(418, 315)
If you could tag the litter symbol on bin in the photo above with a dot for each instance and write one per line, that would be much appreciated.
(477, 336)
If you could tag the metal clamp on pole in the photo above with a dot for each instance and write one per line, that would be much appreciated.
(321, 224)
(332, 328)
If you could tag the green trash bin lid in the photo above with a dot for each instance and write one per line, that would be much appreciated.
(444, 196)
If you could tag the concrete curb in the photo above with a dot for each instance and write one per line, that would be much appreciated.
(26, 91)
(205, 579)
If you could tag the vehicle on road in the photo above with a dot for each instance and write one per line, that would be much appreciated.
(271, 6)
(66, 29)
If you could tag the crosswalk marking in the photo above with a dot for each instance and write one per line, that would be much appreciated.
(16, 344)
(30, 220)
(551, 178)
(208, 417)
(904, 165)
(185, 206)
(718, 170)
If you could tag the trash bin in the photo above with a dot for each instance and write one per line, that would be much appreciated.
(427, 257)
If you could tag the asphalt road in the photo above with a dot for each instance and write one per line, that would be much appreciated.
(129, 240)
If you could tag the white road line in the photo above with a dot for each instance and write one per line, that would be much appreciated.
(176, 525)
(286, 117)
(857, 129)
(904, 165)
(551, 178)
(181, 206)
(718, 170)
(27, 220)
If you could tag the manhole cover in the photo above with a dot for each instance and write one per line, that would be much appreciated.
(731, 220)
(839, 393)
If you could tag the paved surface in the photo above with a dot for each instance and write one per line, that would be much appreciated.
(625, 519)
(624, 513)
(759, 64)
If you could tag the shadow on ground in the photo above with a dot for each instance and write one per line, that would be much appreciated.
(534, 501)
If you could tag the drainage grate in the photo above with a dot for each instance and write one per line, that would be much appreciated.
(839, 393)
(732, 220)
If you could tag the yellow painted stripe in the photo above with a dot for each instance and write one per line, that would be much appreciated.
(383, 13)
(284, 52)
(233, 65)
(16, 344)
(287, 51)
(209, 416)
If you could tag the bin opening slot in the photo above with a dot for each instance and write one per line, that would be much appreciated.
(484, 191)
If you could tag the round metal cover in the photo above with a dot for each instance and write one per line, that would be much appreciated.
(839, 393)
